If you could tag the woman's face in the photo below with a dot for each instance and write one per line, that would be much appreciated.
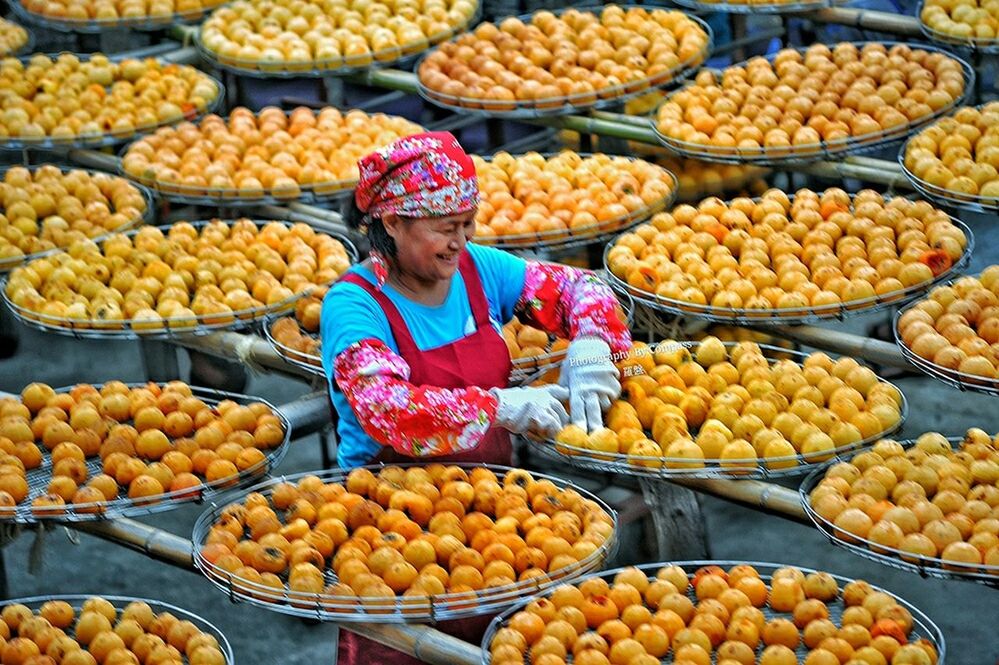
(428, 248)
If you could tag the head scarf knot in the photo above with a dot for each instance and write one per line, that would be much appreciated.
(424, 175)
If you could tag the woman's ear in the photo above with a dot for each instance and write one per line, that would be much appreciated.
(393, 224)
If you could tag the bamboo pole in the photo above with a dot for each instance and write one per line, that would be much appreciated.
(753, 493)
(872, 350)
(877, 171)
(94, 159)
(866, 19)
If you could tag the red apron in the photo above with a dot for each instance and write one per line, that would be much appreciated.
(480, 359)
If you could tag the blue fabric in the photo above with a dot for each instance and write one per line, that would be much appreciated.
(350, 315)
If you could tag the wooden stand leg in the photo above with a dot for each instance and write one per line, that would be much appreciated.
(159, 360)
(678, 521)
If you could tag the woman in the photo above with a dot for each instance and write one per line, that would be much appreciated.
(411, 337)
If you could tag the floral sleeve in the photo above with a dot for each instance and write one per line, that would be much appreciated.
(571, 303)
(419, 421)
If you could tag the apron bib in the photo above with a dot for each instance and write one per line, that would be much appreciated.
(480, 359)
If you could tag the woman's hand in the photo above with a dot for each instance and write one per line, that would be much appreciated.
(592, 380)
(535, 410)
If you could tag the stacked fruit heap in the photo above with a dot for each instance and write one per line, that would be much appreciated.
(957, 326)
(573, 58)
(743, 408)
(300, 334)
(151, 440)
(67, 98)
(527, 342)
(532, 197)
(959, 153)
(188, 275)
(972, 20)
(265, 152)
(116, 10)
(418, 532)
(711, 616)
(925, 502)
(815, 251)
(801, 99)
(12, 37)
(329, 34)
(48, 208)
(102, 633)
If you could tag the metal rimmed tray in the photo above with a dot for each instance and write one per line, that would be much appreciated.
(569, 104)
(123, 506)
(96, 26)
(110, 137)
(792, 315)
(759, 8)
(834, 150)
(27, 47)
(914, 563)
(975, 44)
(313, 193)
(946, 197)
(395, 609)
(345, 65)
(671, 467)
(34, 603)
(165, 328)
(952, 377)
(600, 232)
(145, 218)
(923, 627)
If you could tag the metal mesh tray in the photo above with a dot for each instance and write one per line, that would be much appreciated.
(792, 315)
(313, 193)
(975, 44)
(97, 26)
(395, 609)
(110, 137)
(123, 506)
(570, 104)
(145, 218)
(952, 377)
(342, 66)
(914, 563)
(922, 626)
(824, 150)
(34, 603)
(658, 467)
(170, 328)
(973, 202)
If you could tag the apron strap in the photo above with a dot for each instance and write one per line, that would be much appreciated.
(403, 338)
(473, 287)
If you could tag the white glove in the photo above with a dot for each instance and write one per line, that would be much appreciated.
(536, 410)
(592, 380)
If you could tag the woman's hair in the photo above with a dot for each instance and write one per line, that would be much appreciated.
(371, 227)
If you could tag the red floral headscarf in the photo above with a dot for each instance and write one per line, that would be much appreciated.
(424, 175)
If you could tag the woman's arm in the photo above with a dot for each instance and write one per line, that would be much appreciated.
(414, 420)
(571, 303)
